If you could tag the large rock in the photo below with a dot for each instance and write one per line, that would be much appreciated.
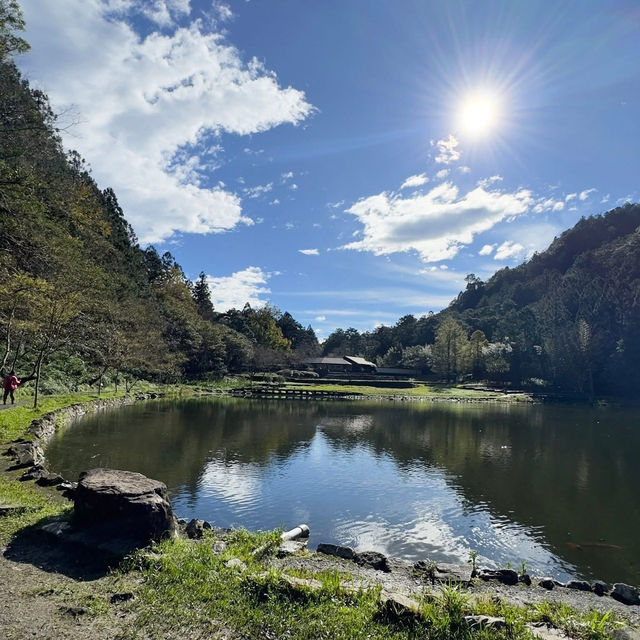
(506, 576)
(123, 504)
(373, 560)
(26, 454)
(334, 550)
(625, 593)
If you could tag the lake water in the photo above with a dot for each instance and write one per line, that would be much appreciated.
(554, 486)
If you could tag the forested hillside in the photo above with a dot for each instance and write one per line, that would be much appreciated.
(80, 300)
(569, 318)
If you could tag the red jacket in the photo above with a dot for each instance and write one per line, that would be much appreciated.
(10, 383)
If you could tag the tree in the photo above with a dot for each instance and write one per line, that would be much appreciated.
(477, 342)
(11, 20)
(202, 297)
(449, 351)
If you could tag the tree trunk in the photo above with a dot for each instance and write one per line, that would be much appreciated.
(37, 389)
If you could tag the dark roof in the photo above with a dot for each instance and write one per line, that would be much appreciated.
(340, 361)
(359, 361)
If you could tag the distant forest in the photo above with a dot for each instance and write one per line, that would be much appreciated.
(82, 303)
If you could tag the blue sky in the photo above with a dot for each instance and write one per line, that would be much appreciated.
(313, 154)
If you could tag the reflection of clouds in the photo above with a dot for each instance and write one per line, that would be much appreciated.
(350, 424)
(235, 484)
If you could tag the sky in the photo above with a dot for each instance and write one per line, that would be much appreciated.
(348, 161)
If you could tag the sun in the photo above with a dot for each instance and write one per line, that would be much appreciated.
(479, 114)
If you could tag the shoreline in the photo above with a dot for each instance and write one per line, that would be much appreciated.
(401, 578)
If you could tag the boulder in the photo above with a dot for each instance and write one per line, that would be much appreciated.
(26, 454)
(291, 547)
(373, 560)
(49, 480)
(600, 588)
(396, 607)
(196, 528)
(505, 576)
(525, 578)
(625, 593)
(547, 583)
(579, 585)
(123, 503)
(334, 550)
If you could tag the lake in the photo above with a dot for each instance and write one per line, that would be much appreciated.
(553, 486)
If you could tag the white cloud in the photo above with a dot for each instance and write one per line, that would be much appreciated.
(486, 182)
(320, 318)
(293, 187)
(548, 204)
(335, 205)
(447, 152)
(145, 101)
(570, 196)
(259, 190)
(435, 224)
(442, 174)
(464, 169)
(309, 252)
(605, 199)
(508, 250)
(275, 201)
(585, 194)
(414, 181)
(487, 250)
(234, 291)
(287, 176)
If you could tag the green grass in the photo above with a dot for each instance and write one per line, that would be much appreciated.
(185, 585)
(419, 391)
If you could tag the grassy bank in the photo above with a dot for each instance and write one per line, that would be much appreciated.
(202, 586)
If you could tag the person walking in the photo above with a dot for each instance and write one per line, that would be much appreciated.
(9, 385)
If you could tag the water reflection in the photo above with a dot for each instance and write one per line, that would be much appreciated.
(554, 486)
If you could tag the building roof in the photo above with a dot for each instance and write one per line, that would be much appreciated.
(360, 361)
(340, 361)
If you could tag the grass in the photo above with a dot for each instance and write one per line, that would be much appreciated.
(186, 585)
(419, 391)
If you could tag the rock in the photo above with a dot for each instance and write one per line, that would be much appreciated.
(599, 587)
(289, 547)
(117, 598)
(477, 623)
(625, 593)
(300, 584)
(235, 563)
(8, 510)
(218, 547)
(196, 528)
(373, 560)
(33, 473)
(396, 607)
(182, 522)
(525, 578)
(579, 585)
(505, 576)
(124, 504)
(544, 632)
(49, 480)
(547, 583)
(334, 550)
(26, 454)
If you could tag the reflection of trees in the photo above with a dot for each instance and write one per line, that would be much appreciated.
(566, 471)
(173, 441)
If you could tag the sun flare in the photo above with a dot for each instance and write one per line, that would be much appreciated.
(479, 114)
